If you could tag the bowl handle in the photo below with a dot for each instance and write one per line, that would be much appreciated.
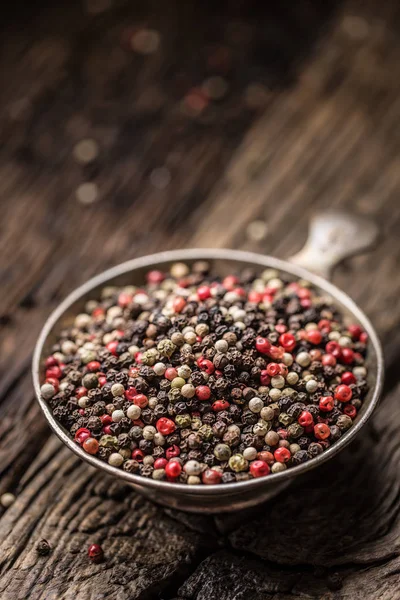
(333, 236)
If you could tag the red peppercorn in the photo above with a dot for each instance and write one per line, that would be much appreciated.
(98, 312)
(288, 341)
(347, 356)
(203, 392)
(326, 403)
(266, 456)
(51, 362)
(321, 431)
(283, 434)
(107, 430)
(211, 477)
(265, 379)
(324, 325)
(305, 419)
(179, 304)
(240, 292)
(364, 337)
(348, 378)
(218, 374)
(112, 347)
(282, 455)
(273, 369)
(93, 366)
(102, 380)
(80, 391)
(314, 336)
(254, 297)
(219, 405)
(206, 365)
(173, 469)
(333, 348)
(170, 373)
(259, 468)
(160, 463)
(106, 419)
(53, 381)
(95, 553)
(90, 445)
(350, 410)
(172, 451)
(54, 371)
(130, 393)
(155, 276)
(305, 303)
(229, 282)
(203, 292)
(303, 293)
(343, 393)
(328, 360)
(165, 426)
(140, 400)
(82, 434)
(280, 328)
(276, 353)
(263, 345)
(355, 331)
(138, 455)
(124, 299)
(315, 354)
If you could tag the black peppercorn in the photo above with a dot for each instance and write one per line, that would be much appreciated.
(43, 547)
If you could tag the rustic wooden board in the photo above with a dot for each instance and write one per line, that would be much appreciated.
(325, 134)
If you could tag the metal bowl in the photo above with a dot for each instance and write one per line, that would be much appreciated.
(235, 496)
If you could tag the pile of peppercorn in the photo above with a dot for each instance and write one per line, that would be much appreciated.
(197, 379)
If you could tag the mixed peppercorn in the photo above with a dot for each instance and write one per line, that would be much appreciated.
(204, 380)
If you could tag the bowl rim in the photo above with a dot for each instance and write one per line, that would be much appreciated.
(157, 259)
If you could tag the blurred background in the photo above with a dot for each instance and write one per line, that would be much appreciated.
(129, 127)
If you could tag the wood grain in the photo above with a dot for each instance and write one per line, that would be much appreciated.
(324, 134)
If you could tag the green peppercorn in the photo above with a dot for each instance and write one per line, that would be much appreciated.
(150, 357)
(295, 430)
(238, 463)
(344, 422)
(183, 420)
(177, 382)
(206, 432)
(108, 441)
(90, 381)
(285, 419)
(166, 348)
(222, 452)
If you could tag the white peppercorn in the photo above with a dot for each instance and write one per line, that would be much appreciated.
(133, 412)
(115, 459)
(303, 359)
(250, 453)
(117, 415)
(47, 391)
(256, 405)
(117, 389)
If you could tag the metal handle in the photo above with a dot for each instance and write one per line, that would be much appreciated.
(334, 236)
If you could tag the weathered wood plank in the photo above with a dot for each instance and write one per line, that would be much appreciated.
(325, 135)
(61, 500)
(224, 576)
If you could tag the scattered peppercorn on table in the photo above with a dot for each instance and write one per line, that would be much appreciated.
(127, 129)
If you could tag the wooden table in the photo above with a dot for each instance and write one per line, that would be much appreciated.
(310, 120)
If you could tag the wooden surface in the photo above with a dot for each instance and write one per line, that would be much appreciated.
(310, 121)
